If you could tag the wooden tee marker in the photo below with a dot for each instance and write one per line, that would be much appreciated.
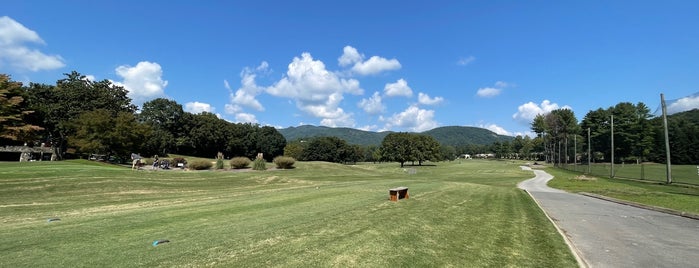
(398, 193)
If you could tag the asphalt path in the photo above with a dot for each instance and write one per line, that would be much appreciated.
(608, 234)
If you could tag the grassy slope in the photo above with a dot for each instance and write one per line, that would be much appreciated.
(677, 197)
(319, 214)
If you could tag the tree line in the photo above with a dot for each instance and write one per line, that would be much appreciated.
(637, 137)
(77, 116)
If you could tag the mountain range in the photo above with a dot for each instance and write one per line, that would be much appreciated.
(449, 135)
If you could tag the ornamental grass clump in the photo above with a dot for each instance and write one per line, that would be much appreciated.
(240, 162)
(259, 163)
(200, 165)
(219, 160)
(284, 162)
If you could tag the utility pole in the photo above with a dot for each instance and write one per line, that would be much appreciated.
(588, 150)
(575, 152)
(612, 171)
(668, 166)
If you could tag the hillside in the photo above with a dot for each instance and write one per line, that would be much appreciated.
(459, 136)
(452, 135)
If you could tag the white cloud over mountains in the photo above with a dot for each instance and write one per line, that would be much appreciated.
(684, 104)
(320, 93)
(16, 52)
(526, 112)
(413, 119)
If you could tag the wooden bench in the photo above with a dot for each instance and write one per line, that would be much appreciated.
(398, 193)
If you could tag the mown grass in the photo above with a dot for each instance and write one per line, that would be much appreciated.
(466, 214)
(677, 197)
(688, 174)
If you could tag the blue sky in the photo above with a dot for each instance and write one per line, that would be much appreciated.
(373, 65)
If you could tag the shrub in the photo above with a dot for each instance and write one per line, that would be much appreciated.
(240, 162)
(178, 160)
(219, 160)
(284, 162)
(200, 165)
(259, 164)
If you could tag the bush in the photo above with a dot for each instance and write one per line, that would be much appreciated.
(240, 162)
(178, 160)
(284, 162)
(259, 164)
(201, 165)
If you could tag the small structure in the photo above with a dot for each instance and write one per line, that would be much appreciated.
(398, 193)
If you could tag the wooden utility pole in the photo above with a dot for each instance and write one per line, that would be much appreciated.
(612, 171)
(668, 166)
(588, 150)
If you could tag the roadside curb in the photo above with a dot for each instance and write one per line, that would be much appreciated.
(576, 253)
(638, 205)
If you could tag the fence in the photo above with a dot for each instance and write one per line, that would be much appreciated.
(687, 174)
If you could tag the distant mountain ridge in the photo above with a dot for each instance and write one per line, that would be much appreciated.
(449, 135)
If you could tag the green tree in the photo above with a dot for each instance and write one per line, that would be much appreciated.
(397, 147)
(424, 148)
(99, 132)
(60, 105)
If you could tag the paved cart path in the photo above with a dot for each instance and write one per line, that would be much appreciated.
(608, 234)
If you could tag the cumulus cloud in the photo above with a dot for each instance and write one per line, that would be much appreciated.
(466, 61)
(526, 112)
(143, 81)
(198, 107)
(425, 99)
(412, 119)
(488, 92)
(374, 65)
(16, 52)
(316, 91)
(497, 129)
(372, 105)
(399, 88)
(246, 95)
(350, 56)
(684, 104)
(245, 118)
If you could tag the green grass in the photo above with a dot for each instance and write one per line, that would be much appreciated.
(688, 174)
(466, 214)
(678, 197)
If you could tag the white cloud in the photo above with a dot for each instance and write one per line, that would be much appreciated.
(488, 92)
(502, 84)
(246, 95)
(497, 129)
(245, 118)
(143, 81)
(316, 91)
(350, 56)
(526, 112)
(376, 65)
(372, 105)
(684, 104)
(466, 61)
(15, 52)
(90, 77)
(232, 108)
(413, 119)
(399, 88)
(425, 99)
(198, 107)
